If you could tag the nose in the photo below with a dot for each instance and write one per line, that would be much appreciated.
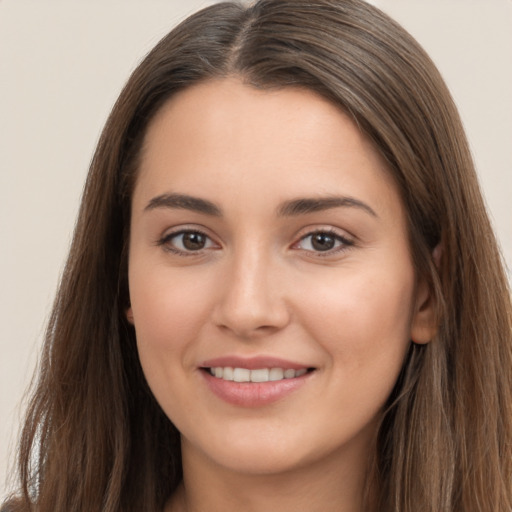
(251, 301)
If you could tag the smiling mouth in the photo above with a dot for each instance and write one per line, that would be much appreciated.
(258, 375)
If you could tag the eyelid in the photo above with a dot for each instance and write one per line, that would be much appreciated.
(169, 234)
(347, 241)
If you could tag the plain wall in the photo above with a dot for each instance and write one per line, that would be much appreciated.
(62, 65)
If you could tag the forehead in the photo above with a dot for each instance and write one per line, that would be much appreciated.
(225, 137)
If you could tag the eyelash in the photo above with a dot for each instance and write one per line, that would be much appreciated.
(344, 242)
(165, 242)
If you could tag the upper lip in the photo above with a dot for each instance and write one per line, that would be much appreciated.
(252, 363)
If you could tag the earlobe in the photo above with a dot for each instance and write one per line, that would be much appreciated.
(129, 315)
(424, 323)
(437, 254)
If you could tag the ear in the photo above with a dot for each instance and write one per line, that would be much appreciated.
(423, 325)
(424, 321)
(437, 254)
(129, 314)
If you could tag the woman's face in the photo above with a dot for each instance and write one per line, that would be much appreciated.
(268, 243)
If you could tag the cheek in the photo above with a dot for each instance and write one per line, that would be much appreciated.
(169, 312)
(168, 309)
(362, 321)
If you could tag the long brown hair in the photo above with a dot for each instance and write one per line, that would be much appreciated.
(96, 440)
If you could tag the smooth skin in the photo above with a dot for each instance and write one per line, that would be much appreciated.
(246, 272)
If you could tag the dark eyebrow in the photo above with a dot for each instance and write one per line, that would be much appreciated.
(306, 205)
(184, 202)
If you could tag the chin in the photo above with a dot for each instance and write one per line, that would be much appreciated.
(244, 452)
(257, 462)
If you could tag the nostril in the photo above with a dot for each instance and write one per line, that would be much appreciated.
(248, 328)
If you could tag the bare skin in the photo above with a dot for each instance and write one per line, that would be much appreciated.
(266, 228)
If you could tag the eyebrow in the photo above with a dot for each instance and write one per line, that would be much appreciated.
(184, 202)
(294, 207)
(304, 206)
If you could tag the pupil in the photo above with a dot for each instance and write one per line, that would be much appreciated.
(323, 242)
(193, 241)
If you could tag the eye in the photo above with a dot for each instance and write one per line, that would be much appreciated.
(187, 242)
(323, 242)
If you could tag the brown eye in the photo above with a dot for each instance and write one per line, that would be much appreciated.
(186, 242)
(324, 242)
(193, 241)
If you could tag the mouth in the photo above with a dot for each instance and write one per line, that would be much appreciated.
(254, 381)
(257, 375)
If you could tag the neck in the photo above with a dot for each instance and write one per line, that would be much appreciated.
(334, 483)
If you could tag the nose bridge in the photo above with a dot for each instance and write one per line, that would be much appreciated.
(252, 299)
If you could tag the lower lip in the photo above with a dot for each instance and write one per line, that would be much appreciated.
(253, 394)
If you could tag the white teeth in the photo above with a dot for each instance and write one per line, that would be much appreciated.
(258, 375)
(241, 375)
(276, 374)
(228, 373)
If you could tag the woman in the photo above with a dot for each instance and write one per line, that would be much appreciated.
(283, 289)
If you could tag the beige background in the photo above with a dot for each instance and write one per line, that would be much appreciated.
(62, 65)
